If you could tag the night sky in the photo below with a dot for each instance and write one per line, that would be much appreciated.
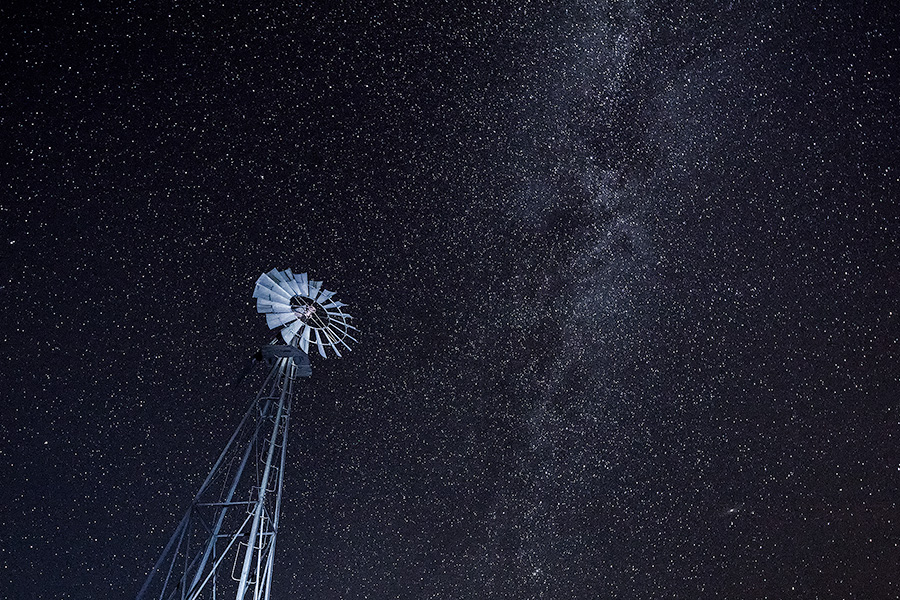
(627, 277)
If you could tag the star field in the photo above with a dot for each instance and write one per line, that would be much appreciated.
(626, 276)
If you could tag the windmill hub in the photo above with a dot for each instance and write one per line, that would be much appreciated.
(307, 311)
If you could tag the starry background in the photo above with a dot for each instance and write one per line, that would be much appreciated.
(626, 273)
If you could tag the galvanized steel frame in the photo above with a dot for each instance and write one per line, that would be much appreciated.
(201, 558)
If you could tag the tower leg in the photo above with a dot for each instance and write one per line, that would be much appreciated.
(234, 505)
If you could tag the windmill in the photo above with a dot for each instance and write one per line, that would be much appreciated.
(224, 546)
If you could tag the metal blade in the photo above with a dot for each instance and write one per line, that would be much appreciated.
(270, 290)
(336, 339)
(337, 319)
(265, 280)
(340, 325)
(336, 351)
(286, 290)
(274, 296)
(266, 306)
(338, 315)
(335, 304)
(325, 295)
(319, 344)
(277, 281)
(333, 340)
(314, 288)
(304, 340)
(313, 337)
(335, 335)
(291, 284)
(343, 328)
(291, 330)
(341, 340)
(263, 283)
(278, 319)
(303, 283)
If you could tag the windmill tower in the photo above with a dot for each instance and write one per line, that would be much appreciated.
(224, 546)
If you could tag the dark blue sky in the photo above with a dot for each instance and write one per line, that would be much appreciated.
(626, 274)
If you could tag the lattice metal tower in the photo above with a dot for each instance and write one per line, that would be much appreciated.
(224, 546)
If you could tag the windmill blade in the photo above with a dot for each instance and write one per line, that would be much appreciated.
(289, 332)
(274, 320)
(266, 306)
(339, 327)
(346, 334)
(287, 336)
(285, 288)
(321, 347)
(334, 339)
(275, 280)
(336, 331)
(314, 288)
(264, 283)
(276, 275)
(338, 315)
(304, 339)
(265, 280)
(325, 295)
(270, 289)
(341, 340)
(335, 304)
(278, 319)
(291, 284)
(343, 325)
(330, 336)
(331, 340)
(272, 298)
(303, 283)
(266, 286)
